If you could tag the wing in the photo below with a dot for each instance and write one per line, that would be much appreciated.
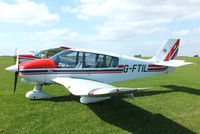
(173, 63)
(82, 87)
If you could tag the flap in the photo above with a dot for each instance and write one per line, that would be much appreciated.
(82, 87)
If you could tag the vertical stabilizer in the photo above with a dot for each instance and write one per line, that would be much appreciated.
(169, 51)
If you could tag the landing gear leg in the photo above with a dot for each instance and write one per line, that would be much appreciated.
(37, 93)
(131, 96)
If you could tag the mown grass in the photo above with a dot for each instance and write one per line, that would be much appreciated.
(172, 106)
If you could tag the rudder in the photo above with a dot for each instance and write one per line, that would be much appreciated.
(169, 51)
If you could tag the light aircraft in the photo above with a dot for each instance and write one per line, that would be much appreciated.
(87, 73)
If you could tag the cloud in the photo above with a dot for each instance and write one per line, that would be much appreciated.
(136, 10)
(124, 26)
(187, 32)
(68, 9)
(27, 12)
(190, 47)
(123, 19)
(59, 37)
(41, 40)
(64, 37)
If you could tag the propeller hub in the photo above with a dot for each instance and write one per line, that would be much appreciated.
(13, 68)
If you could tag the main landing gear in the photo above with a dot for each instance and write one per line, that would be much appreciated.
(37, 93)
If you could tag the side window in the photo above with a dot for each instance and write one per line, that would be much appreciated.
(89, 60)
(108, 60)
(68, 60)
(101, 62)
(79, 60)
(105, 61)
(92, 60)
(114, 62)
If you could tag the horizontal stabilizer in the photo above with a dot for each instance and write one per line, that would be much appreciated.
(173, 63)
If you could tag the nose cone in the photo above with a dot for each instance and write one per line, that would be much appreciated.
(13, 68)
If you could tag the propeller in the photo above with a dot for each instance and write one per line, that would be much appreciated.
(16, 74)
(15, 82)
(15, 56)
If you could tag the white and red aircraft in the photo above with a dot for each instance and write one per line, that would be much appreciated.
(86, 73)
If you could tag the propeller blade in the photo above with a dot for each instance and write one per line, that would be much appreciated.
(15, 81)
(15, 56)
(16, 74)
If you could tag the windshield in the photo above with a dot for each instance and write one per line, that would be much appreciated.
(66, 59)
(45, 54)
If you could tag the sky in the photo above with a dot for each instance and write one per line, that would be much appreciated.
(128, 27)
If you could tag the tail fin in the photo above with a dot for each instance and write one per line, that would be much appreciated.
(169, 51)
(167, 54)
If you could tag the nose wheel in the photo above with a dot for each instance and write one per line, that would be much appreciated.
(37, 93)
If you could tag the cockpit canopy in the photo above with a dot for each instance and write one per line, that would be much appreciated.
(45, 54)
(76, 59)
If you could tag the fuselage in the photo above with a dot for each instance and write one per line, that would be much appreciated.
(91, 65)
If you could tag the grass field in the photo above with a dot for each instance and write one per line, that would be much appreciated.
(172, 106)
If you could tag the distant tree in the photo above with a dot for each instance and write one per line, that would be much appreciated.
(138, 55)
(196, 55)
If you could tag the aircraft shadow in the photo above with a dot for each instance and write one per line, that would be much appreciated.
(151, 93)
(63, 98)
(174, 89)
(134, 119)
(183, 89)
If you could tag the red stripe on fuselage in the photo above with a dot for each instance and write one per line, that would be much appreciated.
(70, 73)
(120, 66)
(155, 66)
(157, 70)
